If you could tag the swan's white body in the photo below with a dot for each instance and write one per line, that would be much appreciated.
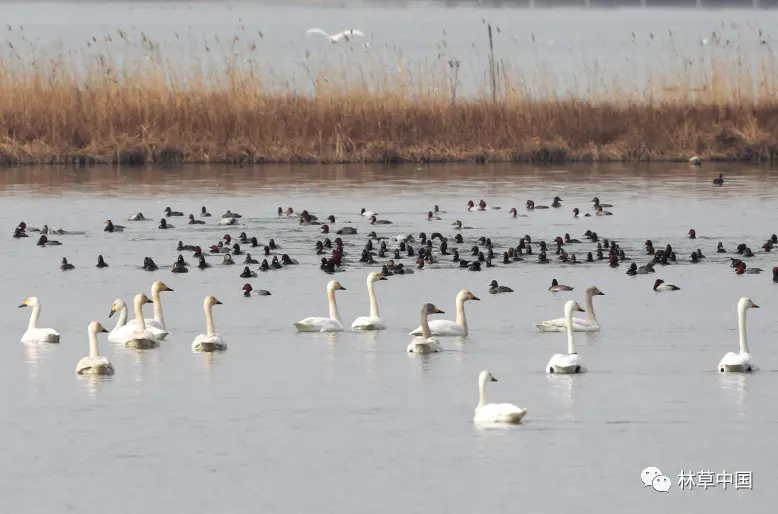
(123, 332)
(137, 336)
(94, 364)
(211, 341)
(444, 327)
(157, 323)
(321, 324)
(740, 362)
(590, 324)
(33, 333)
(495, 412)
(334, 38)
(572, 362)
(372, 322)
(424, 343)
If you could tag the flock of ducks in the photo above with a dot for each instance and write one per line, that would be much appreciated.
(147, 333)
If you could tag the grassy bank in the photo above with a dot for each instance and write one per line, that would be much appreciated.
(77, 110)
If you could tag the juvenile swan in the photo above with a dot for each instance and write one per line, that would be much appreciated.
(122, 332)
(570, 363)
(444, 327)
(425, 343)
(740, 362)
(579, 325)
(210, 341)
(33, 333)
(372, 322)
(140, 337)
(95, 364)
(494, 412)
(321, 324)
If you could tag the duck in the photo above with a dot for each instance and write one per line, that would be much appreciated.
(568, 240)
(149, 264)
(432, 217)
(179, 267)
(19, 233)
(719, 181)
(692, 234)
(204, 212)
(228, 221)
(373, 321)
(515, 213)
(557, 287)
(110, 227)
(163, 224)
(505, 413)
(531, 206)
(740, 362)
(249, 259)
(322, 324)
(101, 262)
(201, 263)
(660, 286)
(445, 328)
(286, 260)
(247, 273)
(458, 226)
(227, 259)
(138, 216)
(45, 241)
(600, 212)
(596, 202)
(425, 343)
(346, 231)
(193, 221)
(66, 265)
(740, 269)
(211, 341)
(33, 334)
(557, 202)
(170, 212)
(590, 324)
(571, 362)
(136, 335)
(368, 214)
(94, 363)
(494, 288)
(376, 221)
(250, 291)
(183, 248)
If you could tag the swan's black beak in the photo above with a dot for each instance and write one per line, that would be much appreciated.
(580, 309)
(149, 300)
(168, 289)
(23, 305)
(342, 288)
(218, 303)
(438, 311)
(754, 306)
(494, 379)
(381, 277)
(112, 312)
(104, 330)
(600, 293)
(474, 297)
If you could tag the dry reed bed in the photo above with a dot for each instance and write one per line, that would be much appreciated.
(76, 110)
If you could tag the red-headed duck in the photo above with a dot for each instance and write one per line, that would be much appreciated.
(660, 286)
(692, 234)
(250, 291)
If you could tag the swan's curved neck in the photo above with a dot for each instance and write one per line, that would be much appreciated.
(425, 326)
(140, 323)
(93, 349)
(570, 337)
(209, 329)
(461, 319)
(122, 320)
(481, 393)
(36, 312)
(334, 314)
(373, 301)
(741, 324)
(590, 308)
(158, 316)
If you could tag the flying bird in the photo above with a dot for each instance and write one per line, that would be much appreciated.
(346, 34)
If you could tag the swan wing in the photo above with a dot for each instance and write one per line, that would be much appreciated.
(421, 345)
(41, 335)
(737, 362)
(94, 366)
(565, 364)
(156, 328)
(317, 31)
(442, 328)
(560, 325)
(499, 413)
(318, 324)
(209, 343)
(367, 323)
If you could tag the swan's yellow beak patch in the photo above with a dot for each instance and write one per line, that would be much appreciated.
(580, 309)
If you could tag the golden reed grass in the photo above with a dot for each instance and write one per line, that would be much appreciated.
(78, 109)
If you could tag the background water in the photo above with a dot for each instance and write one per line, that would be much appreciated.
(571, 50)
(287, 422)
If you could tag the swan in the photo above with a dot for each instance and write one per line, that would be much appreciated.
(579, 325)
(33, 333)
(210, 341)
(122, 332)
(494, 412)
(444, 327)
(139, 336)
(425, 343)
(158, 321)
(334, 38)
(570, 363)
(321, 324)
(95, 364)
(740, 362)
(372, 322)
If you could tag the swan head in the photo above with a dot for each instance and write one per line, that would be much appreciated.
(375, 277)
(746, 303)
(466, 295)
(160, 286)
(95, 327)
(117, 305)
(595, 291)
(486, 376)
(210, 301)
(572, 306)
(141, 299)
(428, 308)
(32, 301)
(334, 285)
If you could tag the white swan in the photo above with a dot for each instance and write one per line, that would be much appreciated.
(320, 324)
(122, 332)
(372, 322)
(494, 412)
(159, 319)
(425, 343)
(570, 363)
(210, 341)
(95, 364)
(590, 324)
(33, 333)
(139, 337)
(334, 38)
(444, 327)
(740, 362)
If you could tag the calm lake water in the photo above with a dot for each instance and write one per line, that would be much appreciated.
(287, 422)
(570, 49)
